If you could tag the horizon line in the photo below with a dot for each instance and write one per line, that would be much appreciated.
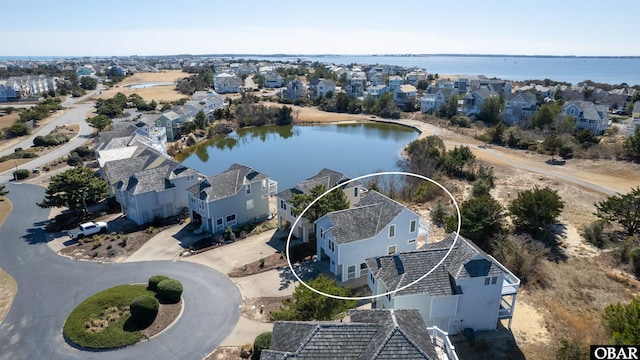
(10, 57)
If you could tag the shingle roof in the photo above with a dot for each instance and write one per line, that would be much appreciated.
(588, 109)
(326, 177)
(364, 220)
(465, 261)
(371, 334)
(225, 184)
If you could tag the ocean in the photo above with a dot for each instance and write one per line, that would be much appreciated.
(608, 70)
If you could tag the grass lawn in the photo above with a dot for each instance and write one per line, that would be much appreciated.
(102, 320)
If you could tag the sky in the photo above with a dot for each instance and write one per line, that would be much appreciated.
(160, 27)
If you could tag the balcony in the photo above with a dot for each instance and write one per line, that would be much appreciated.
(273, 187)
(442, 343)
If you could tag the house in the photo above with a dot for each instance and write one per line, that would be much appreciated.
(295, 90)
(7, 94)
(173, 124)
(327, 178)
(472, 102)
(234, 197)
(354, 87)
(370, 334)
(86, 70)
(375, 226)
(227, 83)
(434, 98)
(518, 107)
(469, 289)
(588, 116)
(375, 91)
(149, 185)
(395, 82)
(405, 95)
(273, 80)
(320, 87)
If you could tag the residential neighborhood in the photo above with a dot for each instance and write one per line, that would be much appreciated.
(423, 291)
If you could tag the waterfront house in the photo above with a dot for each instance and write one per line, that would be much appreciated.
(470, 289)
(375, 91)
(328, 178)
(472, 102)
(232, 198)
(519, 107)
(588, 115)
(434, 98)
(405, 95)
(375, 226)
(370, 334)
(149, 185)
(295, 90)
(320, 87)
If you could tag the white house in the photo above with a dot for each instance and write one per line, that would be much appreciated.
(434, 98)
(375, 226)
(235, 197)
(376, 91)
(588, 115)
(470, 289)
(328, 178)
(321, 87)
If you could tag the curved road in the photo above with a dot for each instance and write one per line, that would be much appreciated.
(50, 286)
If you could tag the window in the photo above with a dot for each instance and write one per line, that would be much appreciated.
(412, 227)
(486, 281)
(373, 280)
(291, 212)
(264, 184)
(363, 269)
(493, 280)
(331, 246)
(392, 231)
(250, 204)
(391, 250)
(283, 205)
(248, 189)
(158, 123)
(322, 233)
(219, 222)
(355, 191)
(231, 219)
(411, 241)
(201, 205)
(351, 272)
(193, 200)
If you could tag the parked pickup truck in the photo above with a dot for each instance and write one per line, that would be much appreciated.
(88, 228)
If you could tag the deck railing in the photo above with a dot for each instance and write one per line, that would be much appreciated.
(441, 339)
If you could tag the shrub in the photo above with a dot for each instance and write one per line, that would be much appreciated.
(154, 280)
(594, 233)
(635, 258)
(262, 341)
(169, 290)
(74, 160)
(21, 174)
(83, 151)
(144, 309)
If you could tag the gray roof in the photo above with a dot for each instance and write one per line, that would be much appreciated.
(364, 220)
(225, 184)
(466, 260)
(527, 97)
(588, 109)
(148, 180)
(371, 334)
(326, 177)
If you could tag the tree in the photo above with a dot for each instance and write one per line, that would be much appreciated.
(88, 83)
(534, 210)
(19, 128)
(455, 160)
(306, 305)
(333, 201)
(622, 322)
(545, 115)
(3, 192)
(482, 219)
(74, 188)
(622, 209)
(491, 110)
(632, 144)
(551, 144)
(585, 138)
(100, 122)
(424, 156)
(450, 108)
(200, 120)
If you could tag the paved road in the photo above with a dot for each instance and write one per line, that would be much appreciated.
(75, 113)
(50, 286)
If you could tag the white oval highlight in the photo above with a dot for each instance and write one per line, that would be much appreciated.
(295, 223)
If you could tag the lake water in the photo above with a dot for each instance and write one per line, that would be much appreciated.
(608, 70)
(290, 154)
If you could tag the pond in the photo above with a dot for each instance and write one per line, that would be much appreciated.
(290, 154)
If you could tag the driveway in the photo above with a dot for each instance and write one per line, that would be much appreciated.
(50, 286)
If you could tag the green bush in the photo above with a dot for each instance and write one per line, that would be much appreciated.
(169, 290)
(144, 309)
(635, 259)
(74, 160)
(21, 174)
(262, 341)
(83, 152)
(155, 280)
